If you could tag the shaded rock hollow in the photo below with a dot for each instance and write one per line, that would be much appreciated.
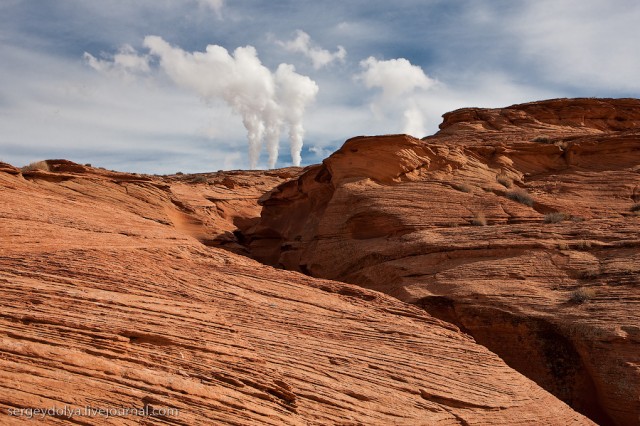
(520, 225)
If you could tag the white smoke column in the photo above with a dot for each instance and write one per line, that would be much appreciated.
(295, 92)
(264, 100)
(399, 80)
(272, 133)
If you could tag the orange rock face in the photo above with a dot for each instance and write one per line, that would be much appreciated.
(520, 225)
(115, 294)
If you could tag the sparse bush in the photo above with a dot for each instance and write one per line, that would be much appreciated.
(463, 187)
(179, 173)
(589, 274)
(583, 245)
(554, 217)
(37, 165)
(520, 196)
(581, 295)
(479, 220)
(87, 165)
(200, 179)
(635, 207)
(541, 139)
(504, 180)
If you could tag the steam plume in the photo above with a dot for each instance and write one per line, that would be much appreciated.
(266, 101)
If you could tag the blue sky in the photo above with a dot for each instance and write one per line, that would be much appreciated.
(82, 80)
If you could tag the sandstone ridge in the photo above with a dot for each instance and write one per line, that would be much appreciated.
(583, 113)
(116, 293)
(519, 225)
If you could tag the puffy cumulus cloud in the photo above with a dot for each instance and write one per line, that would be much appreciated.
(125, 63)
(395, 77)
(319, 57)
(266, 101)
(400, 82)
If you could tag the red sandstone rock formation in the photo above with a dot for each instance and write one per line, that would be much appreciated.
(112, 296)
(520, 225)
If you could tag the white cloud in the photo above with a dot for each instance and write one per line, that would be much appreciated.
(266, 101)
(126, 63)
(110, 122)
(319, 57)
(400, 82)
(145, 120)
(395, 77)
(414, 121)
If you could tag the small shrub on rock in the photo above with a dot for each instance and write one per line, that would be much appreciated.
(589, 274)
(583, 245)
(520, 196)
(463, 187)
(479, 220)
(581, 295)
(554, 217)
(37, 165)
(200, 179)
(541, 139)
(504, 180)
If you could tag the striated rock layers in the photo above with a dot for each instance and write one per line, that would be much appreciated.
(114, 294)
(520, 225)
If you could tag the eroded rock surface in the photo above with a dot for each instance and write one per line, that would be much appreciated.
(520, 225)
(113, 296)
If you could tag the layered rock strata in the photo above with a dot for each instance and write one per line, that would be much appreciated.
(114, 297)
(520, 225)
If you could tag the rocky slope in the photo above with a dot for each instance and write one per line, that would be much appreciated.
(520, 225)
(114, 294)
